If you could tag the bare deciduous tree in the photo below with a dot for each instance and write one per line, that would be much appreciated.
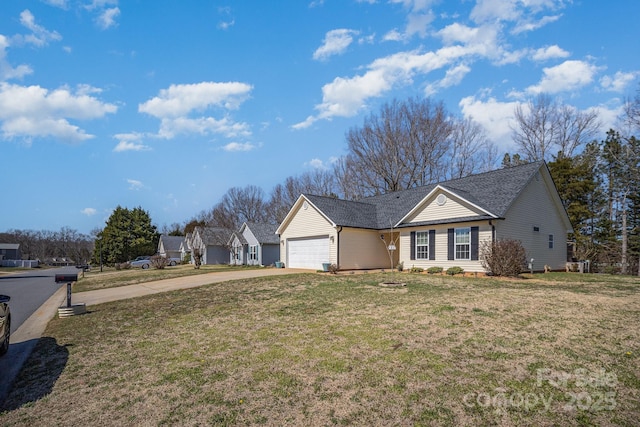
(410, 144)
(545, 128)
(239, 205)
(319, 182)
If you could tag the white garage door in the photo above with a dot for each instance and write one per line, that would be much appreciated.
(308, 253)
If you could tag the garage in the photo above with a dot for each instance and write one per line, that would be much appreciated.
(308, 253)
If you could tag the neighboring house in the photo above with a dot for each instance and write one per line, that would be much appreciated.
(170, 247)
(185, 247)
(436, 225)
(255, 244)
(212, 243)
(10, 251)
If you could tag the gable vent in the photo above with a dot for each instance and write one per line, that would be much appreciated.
(441, 199)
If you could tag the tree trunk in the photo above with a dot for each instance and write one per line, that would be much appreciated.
(623, 259)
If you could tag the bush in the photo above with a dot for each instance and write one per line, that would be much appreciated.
(159, 262)
(504, 257)
(434, 270)
(416, 270)
(122, 266)
(452, 271)
(333, 268)
(400, 266)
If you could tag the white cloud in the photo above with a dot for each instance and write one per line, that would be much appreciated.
(335, 42)
(239, 146)
(62, 4)
(6, 70)
(135, 185)
(524, 15)
(419, 18)
(531, 25)
(494, 116)
(88, 211)
(549, 52)
(452, 77)
(130, 142)
(619, 81)
(179, 100)
(317, 164)
(568, 76)
(175, 105)
(171, 127)
(392, 36)
(344, 97)
(39, 36)
(33, 111)
(107, 18)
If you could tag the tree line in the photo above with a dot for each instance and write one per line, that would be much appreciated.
(45, 245)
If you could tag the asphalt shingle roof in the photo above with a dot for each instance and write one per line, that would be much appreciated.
(265, 233)
(492, 191)
(171, 243)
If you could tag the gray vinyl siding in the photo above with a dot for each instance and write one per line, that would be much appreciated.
(536, 208)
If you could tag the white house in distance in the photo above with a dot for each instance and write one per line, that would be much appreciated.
(170, 247)
(255, 244)
(212, 244)
(436, 225)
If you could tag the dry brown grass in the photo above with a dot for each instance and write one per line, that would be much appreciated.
(326, 349)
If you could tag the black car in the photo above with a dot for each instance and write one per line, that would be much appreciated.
(5, 324)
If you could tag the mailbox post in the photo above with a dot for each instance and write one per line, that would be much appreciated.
(68, 279)
(69, 309)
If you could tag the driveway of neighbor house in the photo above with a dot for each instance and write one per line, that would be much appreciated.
(25, 338)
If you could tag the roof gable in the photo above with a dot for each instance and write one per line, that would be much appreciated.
(443, 204)
(171, 243)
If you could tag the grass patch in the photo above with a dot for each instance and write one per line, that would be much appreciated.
(316, 349)
(111, 278)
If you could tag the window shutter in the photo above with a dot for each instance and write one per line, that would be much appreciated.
(474, 243)
(413, 245)
(451, 239)
(432, 245)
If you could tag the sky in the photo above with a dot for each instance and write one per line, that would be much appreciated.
(167, 104)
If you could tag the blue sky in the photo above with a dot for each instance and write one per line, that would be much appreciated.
(166, 105)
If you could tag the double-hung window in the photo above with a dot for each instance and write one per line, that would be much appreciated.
(253, 253)
(422, 245)
(463, 243)
(550, 241)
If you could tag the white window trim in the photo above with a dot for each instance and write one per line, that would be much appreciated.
(456, 244)
(426, 245)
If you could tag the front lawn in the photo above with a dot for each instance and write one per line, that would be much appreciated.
(315, 349)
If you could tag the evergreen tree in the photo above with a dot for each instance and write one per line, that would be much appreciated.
(126, 235)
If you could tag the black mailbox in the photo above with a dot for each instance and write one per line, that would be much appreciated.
(66, 278)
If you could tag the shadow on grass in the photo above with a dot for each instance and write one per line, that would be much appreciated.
(38, 375)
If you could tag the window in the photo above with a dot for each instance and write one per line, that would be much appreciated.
(463, 243)
(253, 253)
(422, 245)
(550, 241)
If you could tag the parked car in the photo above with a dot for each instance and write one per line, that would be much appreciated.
(5, 324)
(142, 262)
(174, 261)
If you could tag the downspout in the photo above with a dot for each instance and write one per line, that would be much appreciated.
(338, 229)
